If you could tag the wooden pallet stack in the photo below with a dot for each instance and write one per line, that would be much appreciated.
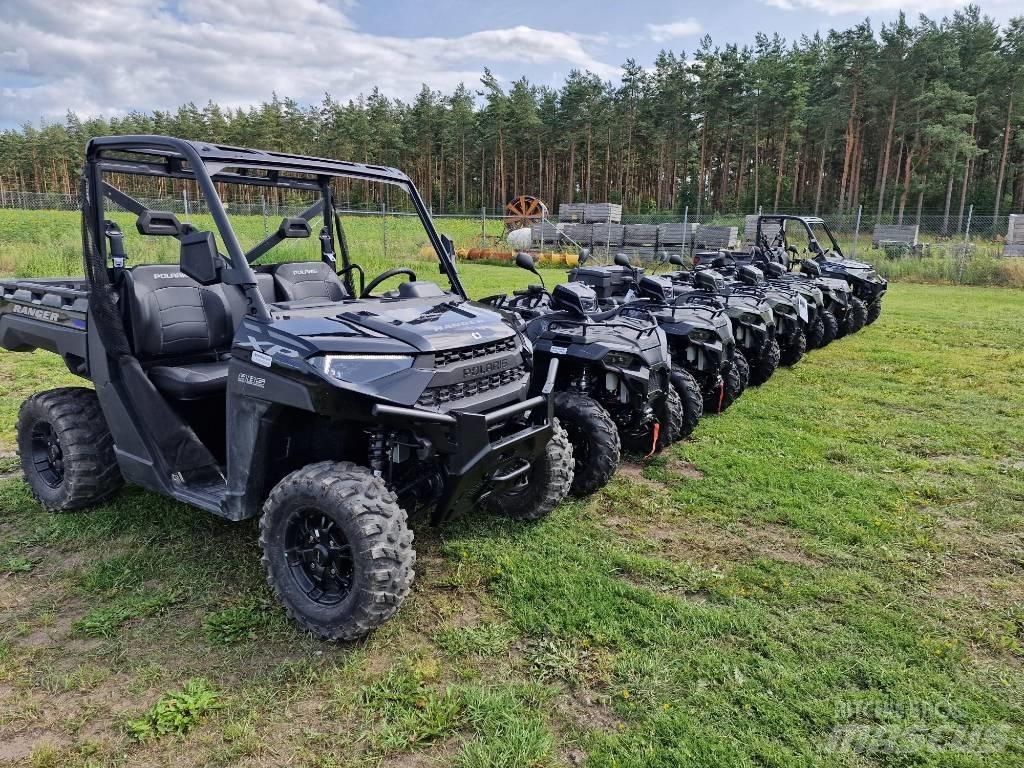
(1015, 236)
(544, 234)
(770, 229)
(673, 237)
(578, 234)
(572, 213)
(717, 237)
(602, 213)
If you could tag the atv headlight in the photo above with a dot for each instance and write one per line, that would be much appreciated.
(751, 318)
(359, 369)
(785, 309)
(699, 334)
(618, 359)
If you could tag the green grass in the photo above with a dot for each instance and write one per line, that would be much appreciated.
(828, 574)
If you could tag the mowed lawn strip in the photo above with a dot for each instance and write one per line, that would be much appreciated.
(827, 574)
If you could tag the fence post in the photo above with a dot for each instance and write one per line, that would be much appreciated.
(686, 222)
(856, 231)
(967, 243)
(184, 198)
(263, 205)
(384, 225)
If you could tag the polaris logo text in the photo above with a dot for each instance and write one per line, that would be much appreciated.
(306, 272)
(169, 275)
(479, 370)
(252, 381)
(38, 314)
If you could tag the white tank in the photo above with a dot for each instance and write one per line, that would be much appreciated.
(519, 239)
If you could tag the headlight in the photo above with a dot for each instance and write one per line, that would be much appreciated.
(785, 309)
(358, 369)
(618, 359)
(750, 318)
(699, 334)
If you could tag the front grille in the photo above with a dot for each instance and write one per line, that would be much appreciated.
(450, 356)
(433, 397)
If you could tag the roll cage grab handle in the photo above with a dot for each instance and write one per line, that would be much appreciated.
(175, 152)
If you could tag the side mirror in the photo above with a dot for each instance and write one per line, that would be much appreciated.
(814, 247)
(199, 258)
(622, 260)
(449, 245)
(676, 259)
(792, 249)
(584, 256)
(525, 261)
(810, 267)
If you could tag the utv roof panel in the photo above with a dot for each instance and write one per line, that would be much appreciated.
(117, 153)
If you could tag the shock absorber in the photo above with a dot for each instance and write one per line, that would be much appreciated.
(377, 451)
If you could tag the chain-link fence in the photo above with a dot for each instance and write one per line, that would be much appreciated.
(947, 246)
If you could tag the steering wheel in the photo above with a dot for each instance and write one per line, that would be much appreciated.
(386, 276)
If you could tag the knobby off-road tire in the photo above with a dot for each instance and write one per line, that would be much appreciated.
(337, 550)
(67, 453)
(793, 352)
(831, 326)
(857, 315)
(874, 311)
(743, 366)
(816, 333)
(691, 399)
(733, 385)
(596, 446)
(672, 431)
(547, 483)
(765, 365)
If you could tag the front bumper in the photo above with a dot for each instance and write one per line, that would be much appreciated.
(477, 448)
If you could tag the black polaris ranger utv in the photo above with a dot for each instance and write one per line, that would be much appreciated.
(280, 390)
(613, 384)
(867, 285)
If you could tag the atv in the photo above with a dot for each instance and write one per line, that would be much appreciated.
(281, 391)
(699, 333)
(867, 286)
(753, 321)
(613, 383)
(789, 307)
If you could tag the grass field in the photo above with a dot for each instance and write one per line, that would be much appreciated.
(34, 243)
(828, 574)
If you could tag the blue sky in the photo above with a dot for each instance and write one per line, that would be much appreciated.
(109, 57)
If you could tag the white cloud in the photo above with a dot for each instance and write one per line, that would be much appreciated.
(121, 55)
(661, 33)
(865, 7)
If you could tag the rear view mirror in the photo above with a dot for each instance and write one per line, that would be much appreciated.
(525, 261)
(792, 249)
(584, 256)
(294, 226)
(814, 247)
(676, 259)
(449, 246)
(199, 259)
(622, 260)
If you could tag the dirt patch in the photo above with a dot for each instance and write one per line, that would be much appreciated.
(635, 472)
(16, 748)
(685, 468)
(588, 710)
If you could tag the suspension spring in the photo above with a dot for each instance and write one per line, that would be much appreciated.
(377, 451)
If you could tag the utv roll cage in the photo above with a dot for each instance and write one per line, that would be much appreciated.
(779, 240)
(209, 164)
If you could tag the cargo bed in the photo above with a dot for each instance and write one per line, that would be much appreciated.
(46, 313)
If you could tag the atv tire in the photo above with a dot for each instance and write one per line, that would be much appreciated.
(792, 353)
(337, 551)
(857, 315)
(765, 365)
(733, 385)
(831, 326)
(596, 448)
(672, 431)
(874, 311)
(547, 484)
(743, 366)
(690, 397)
(67, 453)
(816, 333)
